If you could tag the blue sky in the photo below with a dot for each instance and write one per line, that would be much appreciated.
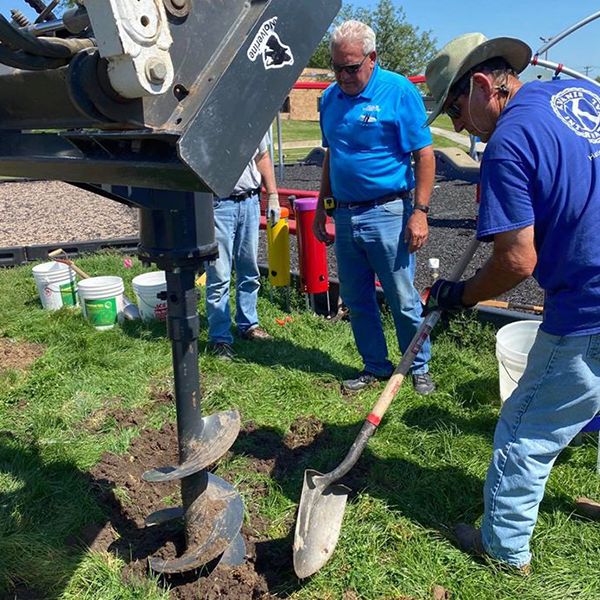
(525, 19)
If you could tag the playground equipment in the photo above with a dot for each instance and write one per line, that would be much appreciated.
(114, 97)
(314, 276)
(278, 254)
(559, 67)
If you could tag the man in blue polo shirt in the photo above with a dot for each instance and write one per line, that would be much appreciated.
(371, 121)
(540, 204)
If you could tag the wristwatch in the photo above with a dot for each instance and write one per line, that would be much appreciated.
(422, 207)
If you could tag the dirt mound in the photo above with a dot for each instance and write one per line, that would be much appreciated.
(18, 355)
(127, 500)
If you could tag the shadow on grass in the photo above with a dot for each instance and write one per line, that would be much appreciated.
(152, 331)
(433, 418)
(434, 497)
(46, 514)
(39, 521)
(280, 352)
(274, 352)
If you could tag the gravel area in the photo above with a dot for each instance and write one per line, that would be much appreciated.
(47, 212)
(55, 212)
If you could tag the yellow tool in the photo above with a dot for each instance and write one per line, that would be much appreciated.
(278, 250)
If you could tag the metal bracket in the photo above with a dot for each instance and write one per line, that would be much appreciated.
(135, 39)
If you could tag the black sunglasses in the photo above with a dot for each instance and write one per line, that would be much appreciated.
(453, 111)
(464, 85)
(350, 69)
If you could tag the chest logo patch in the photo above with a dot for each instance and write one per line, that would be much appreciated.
(267, 44)
(369, 114)
(579, 109)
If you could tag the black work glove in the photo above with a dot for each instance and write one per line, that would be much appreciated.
(446, 295)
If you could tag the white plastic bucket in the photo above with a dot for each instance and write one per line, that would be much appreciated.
(56, 285)
(513, 343)
(102, 300)
(147, 286)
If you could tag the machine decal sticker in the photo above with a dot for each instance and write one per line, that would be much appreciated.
(275, 54)
(579, 109)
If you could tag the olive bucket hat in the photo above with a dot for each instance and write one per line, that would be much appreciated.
(462, 54)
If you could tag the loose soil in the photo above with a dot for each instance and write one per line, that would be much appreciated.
(18, 355)
(127, 500)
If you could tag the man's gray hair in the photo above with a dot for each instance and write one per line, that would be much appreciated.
(354, 31)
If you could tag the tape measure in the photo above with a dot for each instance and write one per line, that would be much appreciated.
(329, 205)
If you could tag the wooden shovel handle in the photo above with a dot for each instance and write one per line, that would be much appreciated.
(509, 305)
(428, 323)
(67, 261)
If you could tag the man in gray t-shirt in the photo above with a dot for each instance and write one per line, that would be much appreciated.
(237, 220)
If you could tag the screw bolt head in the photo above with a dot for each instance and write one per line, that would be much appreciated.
(156, 70)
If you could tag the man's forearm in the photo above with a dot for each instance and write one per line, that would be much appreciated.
(513, 260)
(424, 174)
(265, 168)
(325, 187)
(492, 280)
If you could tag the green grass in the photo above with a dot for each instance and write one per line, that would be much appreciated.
(295, 131)
(443, 122)
(423, 470)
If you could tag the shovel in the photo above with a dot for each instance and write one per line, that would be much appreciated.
(130, 310)
(323, 501)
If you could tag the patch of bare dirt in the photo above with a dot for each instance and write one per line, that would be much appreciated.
(118, 485)
(303, 432)
(127, 500)
(113, 411)
(439, 592)
(18, 355)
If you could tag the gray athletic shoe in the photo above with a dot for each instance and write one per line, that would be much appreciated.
(361, 381)
(423, 383)
(221, 350)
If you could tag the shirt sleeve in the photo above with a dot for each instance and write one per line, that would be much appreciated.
(411, 116)
(264, 144)
(506, 198)
(323, 104)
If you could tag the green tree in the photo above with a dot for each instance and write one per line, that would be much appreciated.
(401, 47)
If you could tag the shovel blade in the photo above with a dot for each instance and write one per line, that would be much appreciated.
(319, 522)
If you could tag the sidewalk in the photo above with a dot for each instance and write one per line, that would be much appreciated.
(300, 144)
(459, 138)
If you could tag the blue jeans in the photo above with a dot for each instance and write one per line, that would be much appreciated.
(368, 242)
(558, 393)
(236, 232)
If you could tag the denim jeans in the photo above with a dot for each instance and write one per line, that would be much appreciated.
(368, 242)
(558, 393)
(236, 231)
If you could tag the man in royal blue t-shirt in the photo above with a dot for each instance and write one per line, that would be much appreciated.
(540, 205)
(371, 120)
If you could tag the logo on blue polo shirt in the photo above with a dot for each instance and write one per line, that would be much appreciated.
(369, 114)
(579, 109)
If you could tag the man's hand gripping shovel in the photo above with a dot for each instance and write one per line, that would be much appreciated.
(323, 501)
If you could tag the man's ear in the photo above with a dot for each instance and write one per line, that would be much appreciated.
(483, 82)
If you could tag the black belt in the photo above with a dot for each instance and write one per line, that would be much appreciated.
(404, 195)
(242, 196)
